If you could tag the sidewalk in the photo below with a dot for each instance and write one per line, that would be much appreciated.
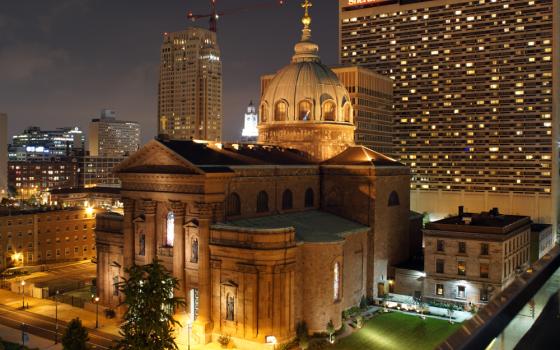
(66, 313)
(14, 336)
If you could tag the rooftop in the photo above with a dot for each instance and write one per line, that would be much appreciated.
(485, 222)
(107, 190)
(360, 155)
(310, 226)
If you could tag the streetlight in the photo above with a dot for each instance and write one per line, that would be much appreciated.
(189, 328)
(96, 312)
(56, 317)
(22, 294)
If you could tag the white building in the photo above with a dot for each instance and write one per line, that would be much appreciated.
(250, 131)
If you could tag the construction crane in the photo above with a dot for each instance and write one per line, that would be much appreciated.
(215, 14)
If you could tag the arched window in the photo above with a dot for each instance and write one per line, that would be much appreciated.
(347, 112)
(305, 110)
(393, 199)
(309, 198)
(194, 250)
(262, 202)
(264, 113)
(142, 250)
(281, 111)
(329, 111)
(230, 307)
(336, 281)
(287, 200)
(170, 235)
(233, 204)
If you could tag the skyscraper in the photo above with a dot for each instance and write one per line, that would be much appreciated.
(190, 86)
(41, 145)
(3, 155)
(109, 137)
(475, 114)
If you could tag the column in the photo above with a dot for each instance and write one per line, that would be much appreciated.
(128, 232)
(150, 230)
(203, 325)
(179, 247)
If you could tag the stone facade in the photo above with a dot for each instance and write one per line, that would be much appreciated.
(470, 258)
(256, 281)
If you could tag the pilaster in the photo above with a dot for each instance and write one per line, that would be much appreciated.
(179, 247)
(128, 232)
(150, 230)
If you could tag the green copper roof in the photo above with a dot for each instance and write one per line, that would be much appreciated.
(310, 226)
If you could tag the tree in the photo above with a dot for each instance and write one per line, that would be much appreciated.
(75, 337)
(148, 320)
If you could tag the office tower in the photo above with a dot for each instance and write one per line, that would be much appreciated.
(371, 95)
(3, 155)
(98, 171)
(475, 114)
(190, 86)
(37, 144)
(109, 137)
(250, 131)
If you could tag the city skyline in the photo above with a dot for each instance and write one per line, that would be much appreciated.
(73, 46)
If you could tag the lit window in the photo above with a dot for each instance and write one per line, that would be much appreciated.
(336, 281)
(170, 237)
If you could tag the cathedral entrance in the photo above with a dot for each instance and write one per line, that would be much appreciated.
(193, 303)
(380, 289)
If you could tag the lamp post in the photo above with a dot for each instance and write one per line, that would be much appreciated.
(96, 312)
(189, 329)
(22, 295)
(56, 317)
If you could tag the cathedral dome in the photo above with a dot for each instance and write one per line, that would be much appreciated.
(305, 106)
(305, 90)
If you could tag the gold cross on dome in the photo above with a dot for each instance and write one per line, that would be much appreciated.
(306, 5)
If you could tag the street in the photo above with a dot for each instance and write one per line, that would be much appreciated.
(44, 327)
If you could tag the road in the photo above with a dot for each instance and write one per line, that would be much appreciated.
(44, 327)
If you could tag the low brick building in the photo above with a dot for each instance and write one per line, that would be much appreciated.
(46, 236)
(470, 257)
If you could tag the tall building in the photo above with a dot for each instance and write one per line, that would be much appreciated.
(372, 99)
(37, 144)
(109, 137)
(3, 155)
(98, 171)
(190, 86)
(475, 114)
(250, 131)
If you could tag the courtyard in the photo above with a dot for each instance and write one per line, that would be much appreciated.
(396, 330)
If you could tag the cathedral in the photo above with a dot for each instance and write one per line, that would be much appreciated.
(296, 227)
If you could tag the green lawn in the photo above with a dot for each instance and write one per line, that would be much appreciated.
(398, 331)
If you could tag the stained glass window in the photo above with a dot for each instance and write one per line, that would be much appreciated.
(170, 238)
(336, 286)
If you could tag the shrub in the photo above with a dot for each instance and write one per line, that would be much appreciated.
(301, 330)
(75, 337)
(224, 340)
(360, 321)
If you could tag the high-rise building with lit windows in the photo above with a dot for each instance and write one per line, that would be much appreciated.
(190, 86)
(476, 118)
(3, 155)
(109, 137)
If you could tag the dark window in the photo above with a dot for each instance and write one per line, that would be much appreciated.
(393, 199)
(484, 294)
(484, 268)
(116, 285)
(309, 198)
(439, 289)
(462, 247)
(262, 202)
(439, 266)
(287, 200)
(142, 245)
(440, 245)
(233, 204)
(194, 250)
(484, 249)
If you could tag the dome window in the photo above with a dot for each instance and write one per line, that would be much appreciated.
(329, 111)
(281, 111)
(304, 110)
(347, 112)
(264, 113)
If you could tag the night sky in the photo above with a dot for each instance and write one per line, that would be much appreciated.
(62, 61)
